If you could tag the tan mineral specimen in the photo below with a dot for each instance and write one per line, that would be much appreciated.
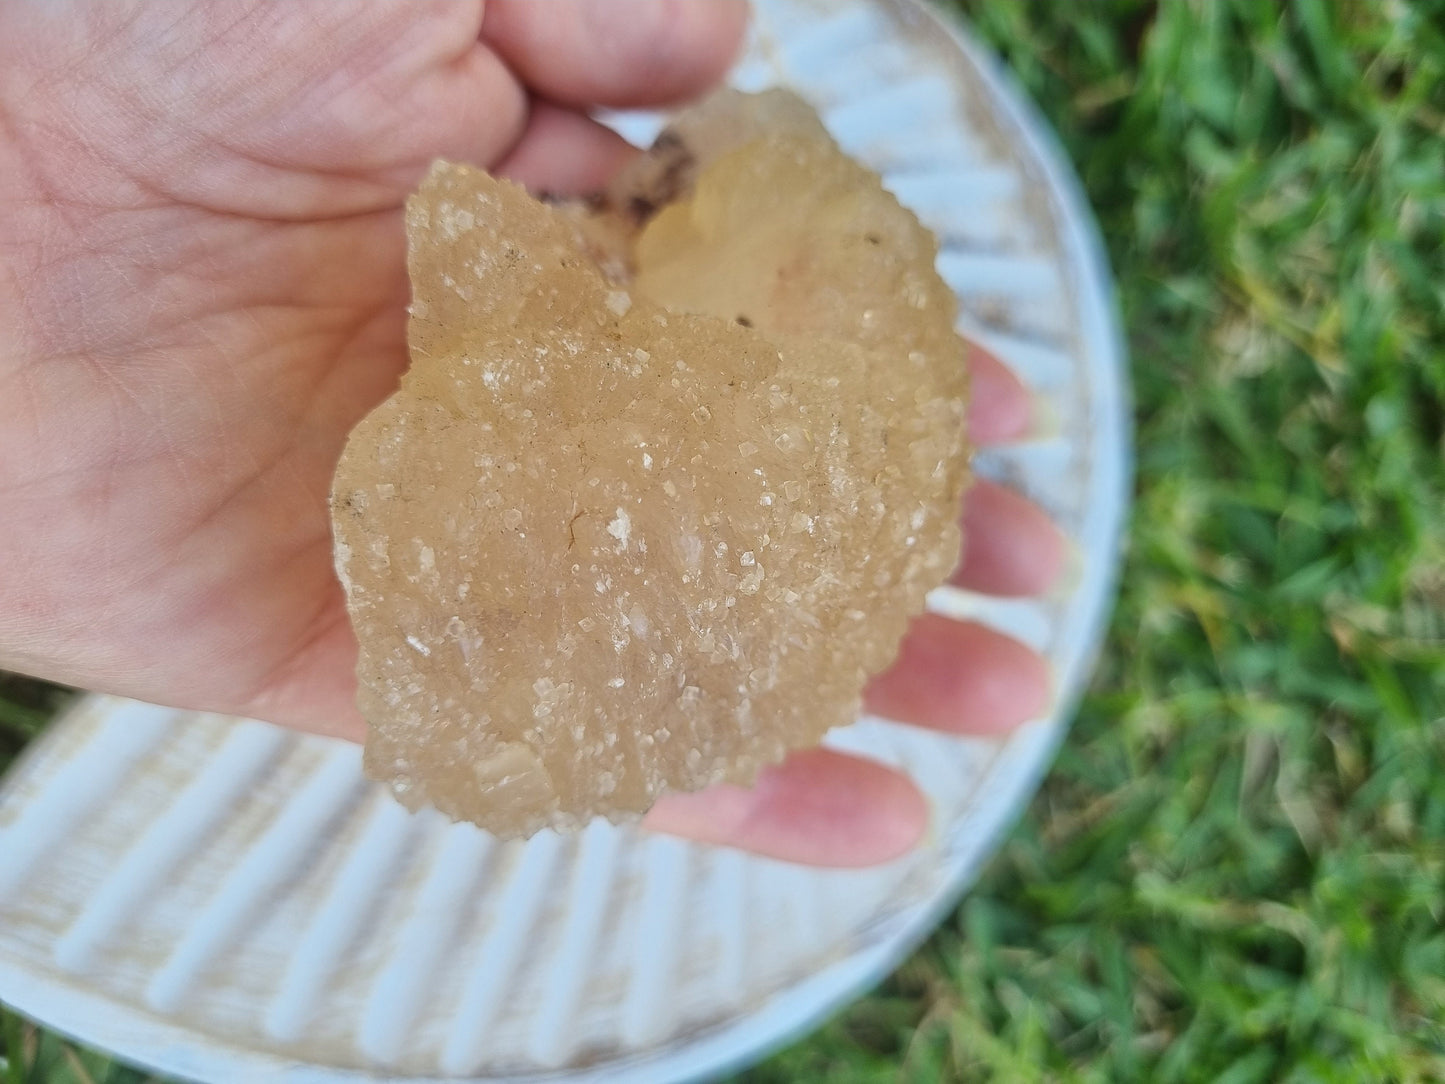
(649, 529)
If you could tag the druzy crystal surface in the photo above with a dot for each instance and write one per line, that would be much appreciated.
(662, 488)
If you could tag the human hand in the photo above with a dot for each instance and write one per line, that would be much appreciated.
(202, 289)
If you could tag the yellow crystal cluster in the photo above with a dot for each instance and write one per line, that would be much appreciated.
(665, 481)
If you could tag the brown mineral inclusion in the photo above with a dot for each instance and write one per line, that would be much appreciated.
(648, 523)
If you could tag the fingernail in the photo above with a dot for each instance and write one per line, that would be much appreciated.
(1045, 422)
(1071, 569)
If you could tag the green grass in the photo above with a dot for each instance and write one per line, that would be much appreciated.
(1236, 872)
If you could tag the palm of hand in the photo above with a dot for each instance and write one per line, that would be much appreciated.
(194, 542)
(209, 235)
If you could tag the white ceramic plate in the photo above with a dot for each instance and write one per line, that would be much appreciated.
(221, 900)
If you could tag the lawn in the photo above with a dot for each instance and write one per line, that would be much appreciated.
(1236, 872)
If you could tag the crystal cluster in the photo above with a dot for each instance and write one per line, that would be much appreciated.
(665, 482)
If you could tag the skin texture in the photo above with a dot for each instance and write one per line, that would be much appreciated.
(202, 289)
